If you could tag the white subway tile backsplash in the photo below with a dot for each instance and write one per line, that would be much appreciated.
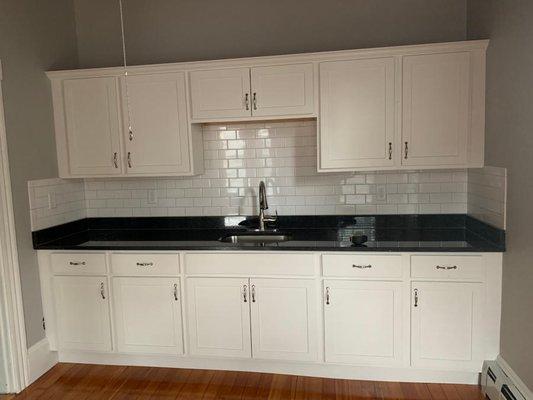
(283, 154)
(487, 191)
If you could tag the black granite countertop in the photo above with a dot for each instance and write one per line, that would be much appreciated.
(409, 233)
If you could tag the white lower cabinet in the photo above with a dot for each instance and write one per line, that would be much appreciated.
(218, 316)
(363, 322)
(147, 315)
(82, 313)
(284, 319)
(259, 318)
(446, 325)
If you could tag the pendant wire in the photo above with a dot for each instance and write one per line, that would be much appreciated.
(125, 64)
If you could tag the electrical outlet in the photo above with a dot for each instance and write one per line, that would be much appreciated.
(152, 196)
(52, 203)
(381, 193)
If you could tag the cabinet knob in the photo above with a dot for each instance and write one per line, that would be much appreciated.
(115, 159)
(247, 101)
(406, 150)
(416, 297)
(327, 296)
(255, 101)
(129, 159)
(245, 293)
(253, 293)
(176, 292)
(390, 150)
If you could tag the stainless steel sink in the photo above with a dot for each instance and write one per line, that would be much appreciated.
(262, 237)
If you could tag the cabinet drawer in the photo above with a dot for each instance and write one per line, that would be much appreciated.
(447, 267)
(250, 264)
(362, 266)
(144, 264)
(76, 263)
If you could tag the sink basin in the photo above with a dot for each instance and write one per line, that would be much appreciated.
(259, 237)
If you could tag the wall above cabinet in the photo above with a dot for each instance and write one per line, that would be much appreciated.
(389, 108)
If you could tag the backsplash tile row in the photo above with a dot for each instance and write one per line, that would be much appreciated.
(487, 193)
(283, 154)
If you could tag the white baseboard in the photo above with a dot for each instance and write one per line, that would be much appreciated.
(373, 373)
(520, 385)
(40, 360)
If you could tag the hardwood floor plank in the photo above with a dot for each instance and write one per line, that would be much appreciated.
(102, 382)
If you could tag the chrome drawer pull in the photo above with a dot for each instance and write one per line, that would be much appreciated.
(76, 263)
(446, 268)
(145, 264)
(361, 266)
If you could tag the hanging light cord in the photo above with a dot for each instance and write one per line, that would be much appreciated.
(125, 69)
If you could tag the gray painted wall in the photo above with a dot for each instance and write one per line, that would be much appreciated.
(35, 36)
(170, 30)
(509, 143)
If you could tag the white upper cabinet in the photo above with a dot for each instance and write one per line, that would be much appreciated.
(447, 325)
(159, 140)
(357, 114)
(436, 109)
(89, 113)
(220, 93)
(389, 108)
(269, 91)
(282, 90)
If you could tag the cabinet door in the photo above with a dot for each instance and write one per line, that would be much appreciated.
(82, 313)
(363, 322)
(92, 123)
(218, 316)
(446, 325)
(357, 114)
(159, 138)
(282, 90)
(284, 319)
(221, 93)
(436, 109)
(148, 315)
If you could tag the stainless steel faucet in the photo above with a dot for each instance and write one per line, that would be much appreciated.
(263, 205)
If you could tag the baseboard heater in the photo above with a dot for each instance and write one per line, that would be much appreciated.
(496, 385)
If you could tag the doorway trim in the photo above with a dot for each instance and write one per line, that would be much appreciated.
(13, 336)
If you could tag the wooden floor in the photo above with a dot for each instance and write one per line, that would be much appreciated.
(83, 382)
